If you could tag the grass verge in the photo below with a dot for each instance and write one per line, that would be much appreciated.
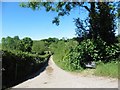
(109, 69)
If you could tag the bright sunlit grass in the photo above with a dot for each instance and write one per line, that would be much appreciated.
(109, 69)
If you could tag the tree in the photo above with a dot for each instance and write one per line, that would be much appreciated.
(16, 42)
(3, 43)
(107, 23)
(98, 13)
(8, 43)
(39, 47)
(25, 44)
(50, 40)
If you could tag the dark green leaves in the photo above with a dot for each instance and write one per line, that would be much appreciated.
(56, 21)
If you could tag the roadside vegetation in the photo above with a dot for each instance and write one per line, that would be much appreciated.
(71, 58)
(19, 60)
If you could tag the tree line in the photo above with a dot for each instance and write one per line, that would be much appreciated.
(15, 43)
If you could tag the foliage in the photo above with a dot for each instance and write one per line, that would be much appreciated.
(50, 40)
(17, 65)
(61, 50)
(62, 8)
(118, 38)
(10, 43)
(118, 10)
(18, 54)
(107, 52)
(25, 44)
(42, 46)
(100, 23)
(107, 23)
(15, 43)
(39, 47)
(88, 50)
(81, 27)
(82, 53)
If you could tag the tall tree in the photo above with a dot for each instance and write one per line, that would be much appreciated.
(3, 43)
(101, 17)
(16, 42)
(107, 23)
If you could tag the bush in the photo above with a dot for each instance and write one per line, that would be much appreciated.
(61, 50)
(39, 47)
(90, 50)
(82, 53)
(107, 53)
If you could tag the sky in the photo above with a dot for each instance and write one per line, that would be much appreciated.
(24, 22)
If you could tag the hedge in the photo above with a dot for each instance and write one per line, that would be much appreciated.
(17, 65)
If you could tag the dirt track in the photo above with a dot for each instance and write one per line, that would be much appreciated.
(54, 77)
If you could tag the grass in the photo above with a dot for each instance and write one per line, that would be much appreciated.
(57, 60)
(109, 69)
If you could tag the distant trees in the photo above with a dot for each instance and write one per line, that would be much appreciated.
(50, 40)
(15, 43)
(10, 43)
(43, 45)
(39, 47)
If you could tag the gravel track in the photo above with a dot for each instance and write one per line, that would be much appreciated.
(54, 77)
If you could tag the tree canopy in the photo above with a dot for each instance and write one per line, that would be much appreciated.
(15, 43)
(101, 21)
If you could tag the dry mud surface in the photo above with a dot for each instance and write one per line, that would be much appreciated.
(54, 77)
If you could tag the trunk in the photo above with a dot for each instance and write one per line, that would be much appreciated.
(92, 14)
